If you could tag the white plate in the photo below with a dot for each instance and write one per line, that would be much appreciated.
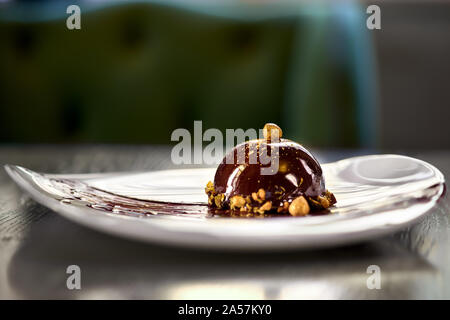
(375, 195)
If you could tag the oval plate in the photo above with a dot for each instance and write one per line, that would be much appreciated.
(375, 195)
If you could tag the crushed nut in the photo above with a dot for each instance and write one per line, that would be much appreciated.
(237, 202)
(324, 202)
(299, 207)
(315, 202)
(261, 194)
(265, 207)
(272, 128)
(209, 187)
(210, 199)
(218, 200)
(284, 207)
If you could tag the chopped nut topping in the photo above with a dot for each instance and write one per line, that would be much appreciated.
(324, 202)
(265, 207)
(284, 207)
(299, 207)
(237, 202)
(209, 187)
(272, 128)
(210, 199)
(218, 200)
(314, 202)
(261, 194)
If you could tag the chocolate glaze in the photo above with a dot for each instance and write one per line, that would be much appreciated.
(299, 173)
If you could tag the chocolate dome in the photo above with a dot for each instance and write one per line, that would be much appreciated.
(242, 183)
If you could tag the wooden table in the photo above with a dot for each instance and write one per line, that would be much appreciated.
(37, 246)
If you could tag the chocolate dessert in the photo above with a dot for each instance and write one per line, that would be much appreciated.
(291, 183)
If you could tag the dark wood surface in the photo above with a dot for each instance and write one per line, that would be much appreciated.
(37, 245)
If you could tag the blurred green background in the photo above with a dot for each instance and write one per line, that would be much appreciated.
(137, 70)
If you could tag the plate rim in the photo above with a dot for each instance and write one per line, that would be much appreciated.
(153, 230)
